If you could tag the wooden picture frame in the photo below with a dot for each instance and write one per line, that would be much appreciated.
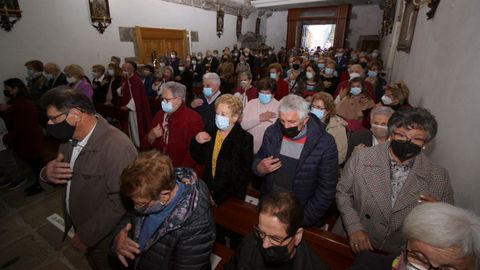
(407, 30)
(10, 13)
(100, 14)
(220, 16)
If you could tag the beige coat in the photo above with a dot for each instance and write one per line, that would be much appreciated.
(336, 128)
(364, 200)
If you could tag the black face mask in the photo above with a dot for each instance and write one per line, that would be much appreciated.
(289, 132)
(7, 94)
(296, 66)
(62, 131)
(405, 150)
(274, 254)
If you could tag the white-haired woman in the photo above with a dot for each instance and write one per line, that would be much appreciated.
(438, 236)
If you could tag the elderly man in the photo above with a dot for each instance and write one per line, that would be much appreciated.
(134, 100)
(90, 161)
(380, 185)
(277, 242)
(298, 155)
(205, 105)
(453, 245)
(54, 75)
(377, 134)
(175, 126)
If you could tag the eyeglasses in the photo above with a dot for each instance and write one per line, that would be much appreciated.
(274, 240)
(168, 99)
(54, 118)
(404, 138)
(416, 260)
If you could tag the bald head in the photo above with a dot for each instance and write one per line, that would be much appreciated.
(51, 68)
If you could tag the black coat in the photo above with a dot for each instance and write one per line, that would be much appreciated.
(233, 163)
(184, 240)
(360, 137)
(248, 256)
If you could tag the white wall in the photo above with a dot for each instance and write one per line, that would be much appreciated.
(277, 30)
(59, 31)
(368, 21)
(442, 73)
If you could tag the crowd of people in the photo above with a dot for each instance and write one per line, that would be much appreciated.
(320, 133)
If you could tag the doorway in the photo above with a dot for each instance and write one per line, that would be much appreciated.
(314, 35)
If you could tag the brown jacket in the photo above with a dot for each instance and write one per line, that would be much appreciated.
(364, 200)
(95, 202)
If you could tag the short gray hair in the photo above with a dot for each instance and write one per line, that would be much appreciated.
(443, 225)
(178, 89)
(384, 110)
(414, 118)
(212, 77)
(294, 103)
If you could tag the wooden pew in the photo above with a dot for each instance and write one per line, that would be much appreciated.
(240, 217)
(223, 252)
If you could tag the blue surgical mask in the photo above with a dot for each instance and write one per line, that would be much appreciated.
(321, 65)
(329, 71)
(372, 73)
(310, 87)
(207, 91)
(167, 106)
(48, 76)
(222, 122)
(273, 75)
(318, 113)
(265, 98)
(356, 90)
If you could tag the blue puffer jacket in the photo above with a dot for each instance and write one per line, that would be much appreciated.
(185, 239)
(317, 169)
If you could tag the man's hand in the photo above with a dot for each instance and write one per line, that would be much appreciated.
(125, 246)
(78, 245)
(203, 137)
(57, 171)
(268, 165)
(359, 241)
(266, 116)
(327, 84)
(155, 133)
(196, 103)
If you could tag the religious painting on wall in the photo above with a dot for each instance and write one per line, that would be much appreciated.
(100, 14)
(10, 13)
(220, 16)
(408, 27)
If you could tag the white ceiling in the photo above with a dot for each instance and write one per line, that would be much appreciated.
(286, 4)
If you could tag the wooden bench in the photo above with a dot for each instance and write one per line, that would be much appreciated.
(240, 217)
(223, 252)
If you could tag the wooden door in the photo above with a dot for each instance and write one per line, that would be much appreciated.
(162, 41)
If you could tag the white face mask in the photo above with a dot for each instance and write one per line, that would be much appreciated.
(71, 80)
(386, 100)
(125, 73)
(354, 75)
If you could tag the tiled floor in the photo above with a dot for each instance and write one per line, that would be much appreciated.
(27, 239)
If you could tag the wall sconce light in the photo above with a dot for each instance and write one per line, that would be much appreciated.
(432, 4)
(220, 14)
(10, 13)
(100, 14)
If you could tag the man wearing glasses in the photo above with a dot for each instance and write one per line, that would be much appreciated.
(175, 126)
(90, 160)
(380, 185)
(276, 242)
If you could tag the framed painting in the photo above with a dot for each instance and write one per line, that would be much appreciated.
(10, 13)
(407, 30)
(100, 14)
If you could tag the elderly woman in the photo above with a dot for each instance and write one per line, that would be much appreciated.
(309, 82)
(323, 107)
(100, 84)
(396, 96)
(242, 66)
(37, 82)
(354, 102)
(205, 104)
(455, 245)
(377, 134)
(226, 70)
(330, 81)
(380, 185)
(261, 112)
(246, 91)
(373, 77)
(114, 72)
(226, 151)
(171, 224)
(76, 80)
